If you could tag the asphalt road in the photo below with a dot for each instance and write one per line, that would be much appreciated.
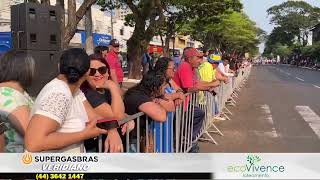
(278, 111)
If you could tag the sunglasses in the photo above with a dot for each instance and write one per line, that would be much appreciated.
(102, 70)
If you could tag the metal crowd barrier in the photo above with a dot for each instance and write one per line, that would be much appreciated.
(175, 135)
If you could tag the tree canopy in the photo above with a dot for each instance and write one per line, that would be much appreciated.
(293, 21)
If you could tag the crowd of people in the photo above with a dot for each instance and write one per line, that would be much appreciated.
(86, 100)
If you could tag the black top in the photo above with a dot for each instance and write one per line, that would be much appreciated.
(96, 99)
(132, 100)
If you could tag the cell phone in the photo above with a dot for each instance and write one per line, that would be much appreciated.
(107, 124)
(3, 127)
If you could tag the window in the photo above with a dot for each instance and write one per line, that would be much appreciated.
(33, 38)
(32, 13)
(52, 15)
(121, 31)
(53, 39)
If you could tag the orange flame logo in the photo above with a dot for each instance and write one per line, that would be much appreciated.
(27, 158)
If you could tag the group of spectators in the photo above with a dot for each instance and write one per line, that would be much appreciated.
(85, 100)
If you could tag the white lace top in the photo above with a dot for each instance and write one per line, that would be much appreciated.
(56, 102)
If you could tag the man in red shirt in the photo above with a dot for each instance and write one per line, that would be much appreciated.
(112, 59)
(186, 78)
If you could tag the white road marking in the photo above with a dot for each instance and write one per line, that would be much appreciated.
(267, 112)
(316, 86)
(310, 117)
(299, 79)
(288, 74)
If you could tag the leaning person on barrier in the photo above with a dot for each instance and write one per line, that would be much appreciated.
(147, 97)
(208, 72)
(17, 72)
(187, 79)
(104, 95)
(166, 66)
(61, 111)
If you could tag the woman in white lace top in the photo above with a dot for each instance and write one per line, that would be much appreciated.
(62, 117)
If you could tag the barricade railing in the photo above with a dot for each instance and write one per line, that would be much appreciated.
(176, 135)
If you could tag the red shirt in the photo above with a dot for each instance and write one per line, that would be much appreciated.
(185, 76)
(114, 63)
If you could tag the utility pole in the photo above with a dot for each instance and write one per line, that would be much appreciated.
(112, 35)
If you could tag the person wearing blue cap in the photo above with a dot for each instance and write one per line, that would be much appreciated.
(208, 72)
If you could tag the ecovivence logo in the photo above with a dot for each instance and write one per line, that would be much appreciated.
(255, 168)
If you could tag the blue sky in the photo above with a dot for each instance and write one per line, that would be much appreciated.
(257, 11)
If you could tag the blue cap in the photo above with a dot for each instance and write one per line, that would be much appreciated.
(214, 58)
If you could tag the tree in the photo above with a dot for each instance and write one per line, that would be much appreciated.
(278, 35)
(146, 17)
(295, 17)
(281, 50)
(74, 17)
(232, 32)
(204, 26)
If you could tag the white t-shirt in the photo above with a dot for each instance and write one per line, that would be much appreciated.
(227, 67)
(56, 102)
(222, 70)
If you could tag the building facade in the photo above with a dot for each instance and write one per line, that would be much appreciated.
(316, 33)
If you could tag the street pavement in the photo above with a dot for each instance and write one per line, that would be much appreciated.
(278, 110)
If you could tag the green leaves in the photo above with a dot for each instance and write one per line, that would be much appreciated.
(292, 20)
(231, 31)
(253, 159)
(294, 17)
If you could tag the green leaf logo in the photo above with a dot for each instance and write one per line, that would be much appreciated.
(253, 159)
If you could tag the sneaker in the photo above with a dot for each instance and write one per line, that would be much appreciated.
(219, 118)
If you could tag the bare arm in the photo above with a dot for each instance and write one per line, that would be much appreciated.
(166, 104)
(113, 75)
(19, 118)
(221, 77)
(113, 141)
(203, 86)
(154, 111)
(2, 143)
(116, 110)
(42, 134)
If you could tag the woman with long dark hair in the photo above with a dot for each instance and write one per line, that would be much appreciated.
(148, 97)
(166, 67)
(104, 95)
(62, 118)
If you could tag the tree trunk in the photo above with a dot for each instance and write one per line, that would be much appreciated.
(74, 18)
(60, 3)
(134, 57)
(166, 51)
(88, 27)
(162, 42)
